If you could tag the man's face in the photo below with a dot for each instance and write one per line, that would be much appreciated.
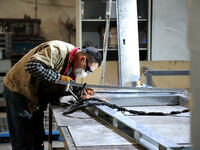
(83, 62)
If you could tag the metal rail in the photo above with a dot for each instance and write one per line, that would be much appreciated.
(109, 89)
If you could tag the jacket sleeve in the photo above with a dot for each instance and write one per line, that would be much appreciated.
(41, 72)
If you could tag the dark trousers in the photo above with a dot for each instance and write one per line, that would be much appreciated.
(26, 129)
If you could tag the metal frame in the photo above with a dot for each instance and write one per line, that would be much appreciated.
(134, 129)
(66, 137)
(137, 131)
(150, 73)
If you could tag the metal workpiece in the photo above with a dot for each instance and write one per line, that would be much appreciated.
(158, 127)
(143, 97)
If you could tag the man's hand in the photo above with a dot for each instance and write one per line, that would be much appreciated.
(65, 78)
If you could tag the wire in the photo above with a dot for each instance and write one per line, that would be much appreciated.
(80, 104)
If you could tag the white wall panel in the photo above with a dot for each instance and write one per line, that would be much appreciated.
(169, 30)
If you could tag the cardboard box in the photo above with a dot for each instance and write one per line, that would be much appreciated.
(112, 39)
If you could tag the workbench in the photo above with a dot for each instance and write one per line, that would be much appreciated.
(102, 127)
(79, 131)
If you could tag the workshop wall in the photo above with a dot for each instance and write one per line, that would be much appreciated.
(111, 75)
(51, 12)
(169, 30)
(167, 81)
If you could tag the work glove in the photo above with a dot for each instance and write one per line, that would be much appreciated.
(65, 78)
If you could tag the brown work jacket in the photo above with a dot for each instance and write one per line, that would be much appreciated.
(53, 54)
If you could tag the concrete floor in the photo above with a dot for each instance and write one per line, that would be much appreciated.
(56, 145)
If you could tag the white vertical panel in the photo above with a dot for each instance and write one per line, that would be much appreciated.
(169, 30)
(194, 46)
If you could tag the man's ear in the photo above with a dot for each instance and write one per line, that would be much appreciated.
(83, 58)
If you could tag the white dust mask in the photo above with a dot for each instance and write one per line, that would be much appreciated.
(80, 73)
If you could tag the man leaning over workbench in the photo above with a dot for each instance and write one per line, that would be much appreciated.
(40, 68)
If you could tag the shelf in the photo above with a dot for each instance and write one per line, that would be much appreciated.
(111, 55)
(92, 25)
(143, 49)
(97, 20)
(93, 20)
(109, 49)
(142, 19)
(115, 49)
(104, 20)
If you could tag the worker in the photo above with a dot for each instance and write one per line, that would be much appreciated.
(40, 68)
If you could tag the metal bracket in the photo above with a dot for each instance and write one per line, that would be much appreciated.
(150, 73)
